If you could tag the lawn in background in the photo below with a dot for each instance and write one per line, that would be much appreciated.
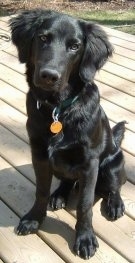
(122, 20)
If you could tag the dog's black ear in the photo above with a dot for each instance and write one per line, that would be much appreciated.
(22, 32)
(97, 50)
(23, 29)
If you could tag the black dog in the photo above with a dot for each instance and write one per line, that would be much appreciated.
(62, 55)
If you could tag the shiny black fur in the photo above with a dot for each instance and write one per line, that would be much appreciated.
(62, 55)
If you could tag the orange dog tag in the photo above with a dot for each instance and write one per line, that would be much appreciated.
(56, 127)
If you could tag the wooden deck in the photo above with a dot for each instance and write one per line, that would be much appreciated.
(55, 239)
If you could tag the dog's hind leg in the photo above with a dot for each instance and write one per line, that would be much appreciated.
(113, 176)
(60, 196)
(115, 205)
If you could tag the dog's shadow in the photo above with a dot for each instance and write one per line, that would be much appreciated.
(60, 231)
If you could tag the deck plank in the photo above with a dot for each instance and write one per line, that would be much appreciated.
(4, 44)
(127, 142)
(116, 82)
(17, 98)
(117, 97)
(11, 61)
(116, 114)
(122, 43)
(13, 146)
(13, 120)
(128, 195)
(127, 62)
(120, 71)
(123, 52)
(130, 167)
(13, 78)
(4, 25)
(10, 49)
(28, 249)
(119, 34)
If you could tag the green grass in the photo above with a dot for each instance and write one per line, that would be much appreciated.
(111, 19)
(130, 29)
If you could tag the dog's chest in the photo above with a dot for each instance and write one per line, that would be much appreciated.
(65, 157)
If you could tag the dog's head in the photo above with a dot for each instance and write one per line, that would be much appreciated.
(59, 47)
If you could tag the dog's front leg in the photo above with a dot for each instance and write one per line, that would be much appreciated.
(86, 242)
(31, 221)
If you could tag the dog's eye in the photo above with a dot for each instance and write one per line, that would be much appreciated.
(44, 38)
(74, 47)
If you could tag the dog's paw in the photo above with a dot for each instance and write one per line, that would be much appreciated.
(57, 202)
(86, 244)
(26, 227)
(115, 208)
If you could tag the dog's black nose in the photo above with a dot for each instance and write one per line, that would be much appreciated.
(49, 76)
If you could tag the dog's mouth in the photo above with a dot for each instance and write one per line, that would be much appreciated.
(57, 86)
(54, 82)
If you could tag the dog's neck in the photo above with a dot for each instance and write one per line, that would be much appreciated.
(62, 102)
(54, 98)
